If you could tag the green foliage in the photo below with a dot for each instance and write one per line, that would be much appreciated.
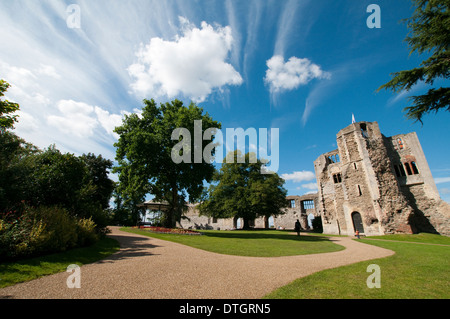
(47, 178)
(96, 176)
(54, 179)
(144, 159)
(49, 201)
(125, 212)
(6, 108)
(13, 173)
(85, 229)
(242, 191)
(33, 231)
(429, 33)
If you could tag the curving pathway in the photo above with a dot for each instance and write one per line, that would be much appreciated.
(151, 268)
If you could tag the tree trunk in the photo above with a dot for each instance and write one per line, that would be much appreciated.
(170, 215)
(246, 225)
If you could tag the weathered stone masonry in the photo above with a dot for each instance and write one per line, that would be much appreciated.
(378, 185)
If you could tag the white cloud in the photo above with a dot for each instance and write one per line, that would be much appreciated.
(282, 76)
(81, 119)
(108, 121)
(77, 118)
(311, 186)
(299, 176)
(194, 64)
(48, 70)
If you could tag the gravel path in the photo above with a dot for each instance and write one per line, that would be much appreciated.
(151, 268)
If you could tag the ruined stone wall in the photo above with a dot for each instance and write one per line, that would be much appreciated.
(298, 211)
(395, 210)
(288, 219)
(430, 213)
(326, 196)
(193, 220)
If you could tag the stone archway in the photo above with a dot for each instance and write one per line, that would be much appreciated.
(357, 222)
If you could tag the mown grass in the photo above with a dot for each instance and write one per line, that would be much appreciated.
(254, 243)
(27, 269)
(416, 271)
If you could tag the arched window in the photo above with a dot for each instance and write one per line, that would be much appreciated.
(408, 168)
(414, 168)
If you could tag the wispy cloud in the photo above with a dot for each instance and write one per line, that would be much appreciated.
(72, 84)
(325, 89)
(441, 180)
(316, 97)
(288, 20)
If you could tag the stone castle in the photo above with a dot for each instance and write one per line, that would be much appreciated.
(378, 185)
(371, 183)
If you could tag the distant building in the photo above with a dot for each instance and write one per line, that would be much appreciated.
(298, 207)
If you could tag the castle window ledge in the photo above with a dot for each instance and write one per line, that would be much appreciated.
(410, 180)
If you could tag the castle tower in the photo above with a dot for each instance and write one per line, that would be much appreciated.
(378, 185)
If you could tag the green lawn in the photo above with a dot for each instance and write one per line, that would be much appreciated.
(416, 271)
(255, 243)
(28, 269)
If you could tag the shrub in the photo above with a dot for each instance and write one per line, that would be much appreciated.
(59, 226)
(21, 235)
(36, 231)
(86, 232)
(13, 231)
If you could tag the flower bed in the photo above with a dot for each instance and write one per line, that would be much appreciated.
(163, 230)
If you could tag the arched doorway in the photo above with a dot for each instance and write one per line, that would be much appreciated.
(237, 223)
(310, 220)
(357, 222)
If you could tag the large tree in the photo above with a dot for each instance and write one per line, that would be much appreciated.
(241, 191)
(144, 155)
(97, 170)
(429, 32)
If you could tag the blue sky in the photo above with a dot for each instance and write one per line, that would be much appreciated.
(301, 66)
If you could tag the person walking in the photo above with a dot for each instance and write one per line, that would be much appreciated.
(297, 227)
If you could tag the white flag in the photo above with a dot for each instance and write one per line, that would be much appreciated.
(353, 118)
